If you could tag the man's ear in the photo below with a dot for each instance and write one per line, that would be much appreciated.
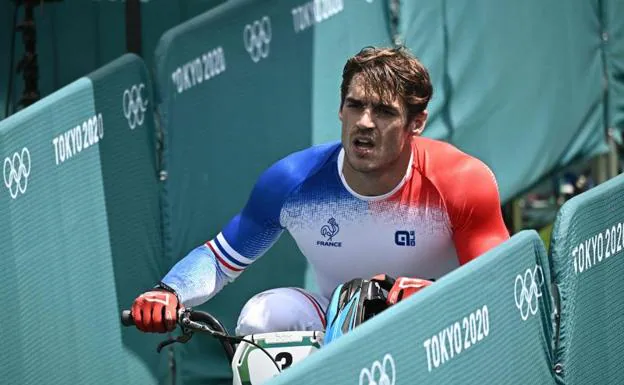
(417, 125)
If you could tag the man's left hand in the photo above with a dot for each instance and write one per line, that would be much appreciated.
(404, 287)
(401, 287)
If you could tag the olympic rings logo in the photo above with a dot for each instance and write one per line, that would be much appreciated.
(527, 291)
(16, 170)
(257, 38)
(134, 105)
(381, 373)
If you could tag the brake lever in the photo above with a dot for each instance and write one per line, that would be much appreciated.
(183, 338)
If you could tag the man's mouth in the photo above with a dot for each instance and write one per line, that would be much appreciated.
(363, 145)
(364, 142)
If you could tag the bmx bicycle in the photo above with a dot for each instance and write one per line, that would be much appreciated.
(255, 358)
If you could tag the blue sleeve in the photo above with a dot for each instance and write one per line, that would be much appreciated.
(204, 271)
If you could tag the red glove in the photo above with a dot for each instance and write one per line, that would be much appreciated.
(401, 287)
(404, 287)
(155, 311)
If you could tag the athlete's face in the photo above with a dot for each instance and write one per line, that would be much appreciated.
(375, 132)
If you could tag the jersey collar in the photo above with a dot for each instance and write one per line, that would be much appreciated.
(408, 174)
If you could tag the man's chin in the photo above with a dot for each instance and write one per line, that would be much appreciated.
(363, 165)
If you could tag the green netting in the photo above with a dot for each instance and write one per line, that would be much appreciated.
(588, 263)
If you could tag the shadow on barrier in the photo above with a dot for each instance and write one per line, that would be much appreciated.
(124, 97)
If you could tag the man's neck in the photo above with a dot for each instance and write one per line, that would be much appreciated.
(377, 183)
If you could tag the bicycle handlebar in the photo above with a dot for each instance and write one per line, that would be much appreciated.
(191, 321)
(126, 318)
(183, 316)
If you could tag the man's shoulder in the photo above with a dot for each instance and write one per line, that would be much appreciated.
(296, 167)
(312, 156)
(457, 175)
(306, 161)
(445, 161)
(438, 150)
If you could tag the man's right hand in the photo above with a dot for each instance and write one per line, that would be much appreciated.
(155, 311)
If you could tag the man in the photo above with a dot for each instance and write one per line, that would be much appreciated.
(383, 200)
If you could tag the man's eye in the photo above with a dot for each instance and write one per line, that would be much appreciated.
(386, 111)
(354, 105)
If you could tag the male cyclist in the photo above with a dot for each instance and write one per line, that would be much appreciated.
(382, 200)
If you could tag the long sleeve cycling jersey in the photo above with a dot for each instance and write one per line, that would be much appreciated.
(445, 212)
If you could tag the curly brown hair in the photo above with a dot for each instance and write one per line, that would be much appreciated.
(390, 72)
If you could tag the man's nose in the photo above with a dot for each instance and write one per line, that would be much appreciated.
(366, 119)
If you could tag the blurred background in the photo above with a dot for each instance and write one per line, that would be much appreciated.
(188, 101)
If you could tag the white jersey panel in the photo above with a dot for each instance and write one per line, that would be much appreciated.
(359, 240)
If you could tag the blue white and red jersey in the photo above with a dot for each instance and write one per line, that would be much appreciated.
(444, 213)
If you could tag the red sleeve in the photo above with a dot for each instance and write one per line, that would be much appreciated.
(474, 208)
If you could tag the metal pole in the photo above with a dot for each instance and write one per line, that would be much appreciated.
(516, 215)
(133, 27)
(599, 168)
(28, 65)
(613, 156)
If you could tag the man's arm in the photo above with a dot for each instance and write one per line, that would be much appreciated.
(208, 268)
(475, 210)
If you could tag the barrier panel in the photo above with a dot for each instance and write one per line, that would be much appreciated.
(486, 322)
(240, 87)
(588, 263)
(80, 233)
(123, 93)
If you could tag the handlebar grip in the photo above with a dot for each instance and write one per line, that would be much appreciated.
(126, 318)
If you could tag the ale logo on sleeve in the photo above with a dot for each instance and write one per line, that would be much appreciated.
(405, 238)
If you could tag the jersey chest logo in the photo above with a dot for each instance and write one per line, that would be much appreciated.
(405, 238)
(329, 231)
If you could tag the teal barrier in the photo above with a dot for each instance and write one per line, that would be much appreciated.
(129, 165)
(486, 322)
(80, 233)
(588, 264)
(240, 87)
